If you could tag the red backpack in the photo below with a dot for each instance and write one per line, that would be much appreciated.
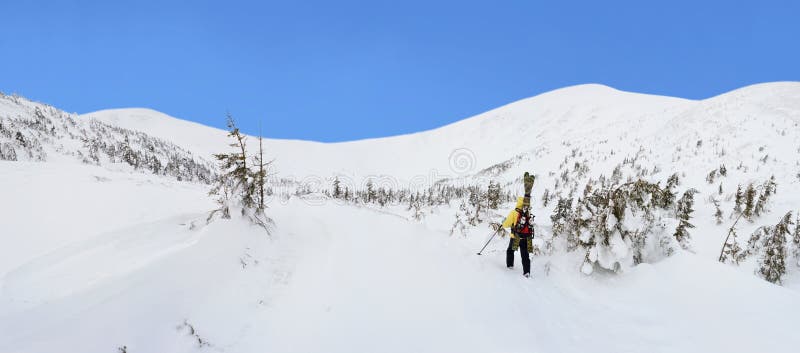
(524, 225)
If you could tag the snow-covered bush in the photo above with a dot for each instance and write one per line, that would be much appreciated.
(617, 225)
(620, 226)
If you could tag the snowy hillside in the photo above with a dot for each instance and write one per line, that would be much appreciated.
(32, 131)
(104, 256)
(546, 127)
(485, 139)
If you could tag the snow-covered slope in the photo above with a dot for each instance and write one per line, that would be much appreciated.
(340, 279)
(545, 128)
(31, 131)
(102, 257)
(482, 140)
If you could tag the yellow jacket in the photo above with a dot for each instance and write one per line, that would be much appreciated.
(511, 219)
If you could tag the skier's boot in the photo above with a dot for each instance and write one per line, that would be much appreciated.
(527, 275)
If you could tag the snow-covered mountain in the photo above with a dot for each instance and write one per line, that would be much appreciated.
(544, 129)
(531, 134)
(110, 254)
(32, 131)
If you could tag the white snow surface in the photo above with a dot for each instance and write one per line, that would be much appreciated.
(96, 258)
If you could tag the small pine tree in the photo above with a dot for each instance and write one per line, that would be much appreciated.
(493, 195)
(668, 196)
(723, 171)
(545, 197)
(370, 196)
(684, 213)
(337, 188)
(768, 188)
(616, 175)
(476, 200)
(718, 213)
(796, 240)
(415, 206)
(673, 180)
(233, 182)
(749, 202)
(773, 263)
(739, 200)
(459, 225)
(561, 216)
(731, 251)
(720, 188)
(771, 186)
(711, 176)
(758, 209)
(756, 242)
(259, 176)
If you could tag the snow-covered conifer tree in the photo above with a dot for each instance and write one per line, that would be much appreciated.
(259, 175)
(773, 261)
(731, 251)
(711, 176)
(749, 202)
(235, 185)
(337, 188)
(668, 195)
(545, 197)
(796, 240)
(738, 201)
(684, 214)
(768, 189)
(370, 195)
(493, 195)
(718, 212)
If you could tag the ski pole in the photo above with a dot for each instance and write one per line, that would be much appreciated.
(490, 239)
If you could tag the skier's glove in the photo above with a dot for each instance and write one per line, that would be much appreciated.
(496, 226)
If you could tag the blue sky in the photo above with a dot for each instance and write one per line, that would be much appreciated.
(343, 70)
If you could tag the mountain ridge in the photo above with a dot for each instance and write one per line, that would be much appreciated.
(567, 114)
(548, 123)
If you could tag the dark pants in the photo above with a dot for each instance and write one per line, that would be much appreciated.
(523, 251)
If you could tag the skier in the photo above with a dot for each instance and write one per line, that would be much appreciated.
(520, 221)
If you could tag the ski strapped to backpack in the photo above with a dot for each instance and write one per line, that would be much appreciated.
(524, 225)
